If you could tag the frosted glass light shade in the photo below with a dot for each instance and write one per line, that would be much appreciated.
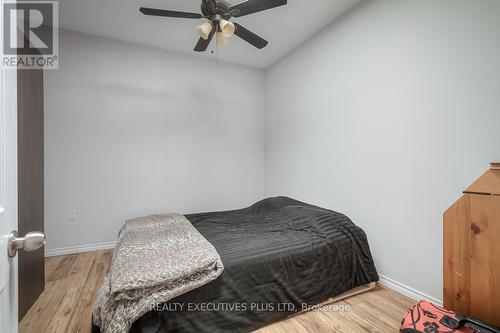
(221, 39)
(227, 28)
(205, 29)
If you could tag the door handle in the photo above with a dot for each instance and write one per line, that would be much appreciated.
(30, 242)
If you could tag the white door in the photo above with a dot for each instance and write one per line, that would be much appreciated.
(8, 198)
(10, 243)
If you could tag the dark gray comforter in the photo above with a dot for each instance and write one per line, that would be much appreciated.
(279, 256)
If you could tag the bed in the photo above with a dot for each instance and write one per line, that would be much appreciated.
(280, 256)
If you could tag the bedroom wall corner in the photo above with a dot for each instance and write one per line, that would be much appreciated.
(386, 116)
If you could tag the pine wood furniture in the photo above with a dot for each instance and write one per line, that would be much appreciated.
(472, 250)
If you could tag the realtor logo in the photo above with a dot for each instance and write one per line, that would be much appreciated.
(30, 34)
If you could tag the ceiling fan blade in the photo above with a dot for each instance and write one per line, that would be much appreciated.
(169, 13)
(253, 6)
(250, 37)
(202, 44)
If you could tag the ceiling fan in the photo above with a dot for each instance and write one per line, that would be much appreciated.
(218, 13)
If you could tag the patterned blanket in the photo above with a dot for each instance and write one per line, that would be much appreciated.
(156, 258)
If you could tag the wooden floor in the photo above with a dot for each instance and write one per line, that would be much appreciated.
(72, 281)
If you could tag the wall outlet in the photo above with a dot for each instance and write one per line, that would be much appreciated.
(72, 214)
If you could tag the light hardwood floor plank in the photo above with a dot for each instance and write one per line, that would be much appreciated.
(61, 267)
(81, 319)
(38, 317)
(74, 283)
(50, 266)
(73, 280)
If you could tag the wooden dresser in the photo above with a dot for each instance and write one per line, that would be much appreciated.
(472, 250)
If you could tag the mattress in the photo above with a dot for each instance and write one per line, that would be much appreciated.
(280, 256)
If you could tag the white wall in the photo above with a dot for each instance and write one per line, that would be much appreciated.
(132, 130)
(387, 116)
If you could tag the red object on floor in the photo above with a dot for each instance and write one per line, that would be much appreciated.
(426, 317)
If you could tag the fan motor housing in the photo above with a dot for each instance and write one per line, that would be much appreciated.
(222, 9)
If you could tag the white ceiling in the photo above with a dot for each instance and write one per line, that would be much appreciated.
(284, 27)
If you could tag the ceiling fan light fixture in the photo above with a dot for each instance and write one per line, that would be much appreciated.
(227, 28)
(205, 29)
(218, 12)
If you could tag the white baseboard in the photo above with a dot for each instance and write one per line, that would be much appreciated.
(79, 249)
(407, 291)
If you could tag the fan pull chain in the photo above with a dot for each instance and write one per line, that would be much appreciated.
(216, 54)
(216, 47)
